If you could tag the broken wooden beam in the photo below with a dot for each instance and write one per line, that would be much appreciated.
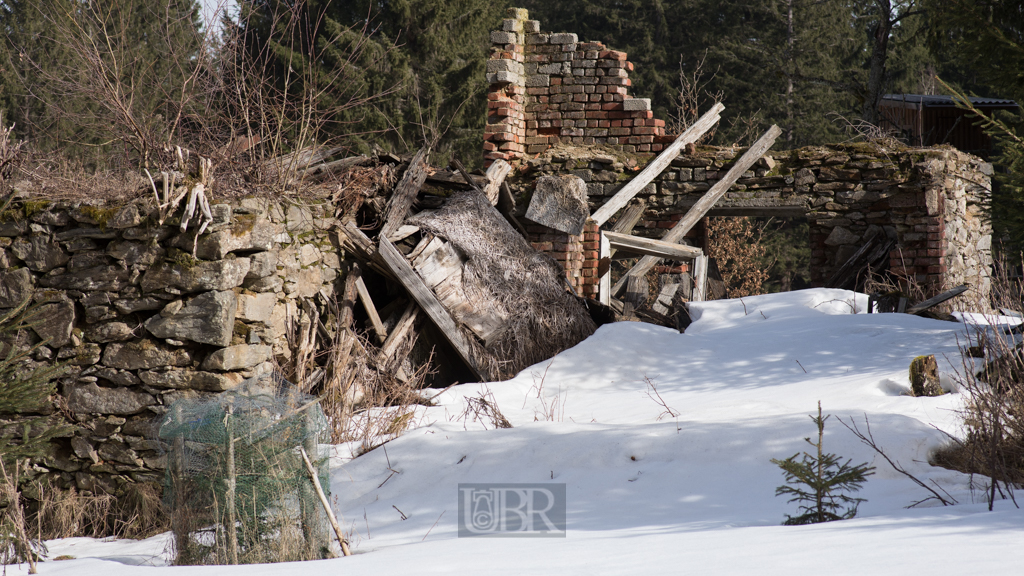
(658, 165)
(629, 220)
(371, 310)
(698, 210)
(405, 193)
(936, 300)
(650, 247)
(426, 299)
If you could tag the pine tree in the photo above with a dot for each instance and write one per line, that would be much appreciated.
(818, 482)
(418, 65)
(79, 75)
(25, 391)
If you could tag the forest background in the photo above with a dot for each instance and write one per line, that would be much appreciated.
(100, 84)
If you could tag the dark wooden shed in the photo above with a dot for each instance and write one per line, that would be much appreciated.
(927, 120)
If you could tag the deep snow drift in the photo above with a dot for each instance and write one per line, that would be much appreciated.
(664, 442)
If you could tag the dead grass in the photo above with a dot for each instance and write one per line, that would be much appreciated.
(135, 512)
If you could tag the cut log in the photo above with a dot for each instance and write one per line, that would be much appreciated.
(658, 165)
(936, 300)
(405, 193)
(371, 310)
(496, 174)
(560, 203)
(426, 299)
(649, 247)
(678, 232)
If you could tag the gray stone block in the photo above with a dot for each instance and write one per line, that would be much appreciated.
(636, 104)
(563, 38)
(498, 37)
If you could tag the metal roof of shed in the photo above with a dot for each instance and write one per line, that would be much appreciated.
(938, 101)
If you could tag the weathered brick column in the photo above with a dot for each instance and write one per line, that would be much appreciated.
(548, 89)
(566, 249)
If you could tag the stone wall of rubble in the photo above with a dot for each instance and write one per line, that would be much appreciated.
(140, 323)
(930, 199)
(547, 89)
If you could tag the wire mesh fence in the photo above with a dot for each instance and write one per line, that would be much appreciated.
(237, 488)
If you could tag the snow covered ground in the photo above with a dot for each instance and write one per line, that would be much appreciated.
(663, 441)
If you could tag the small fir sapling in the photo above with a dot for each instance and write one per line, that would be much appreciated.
(819, 482)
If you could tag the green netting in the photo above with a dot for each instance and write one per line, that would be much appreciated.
(236, 486)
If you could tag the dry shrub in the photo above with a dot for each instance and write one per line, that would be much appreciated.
(993, 413)
(735, 243)
(693, 96)
(16, 543)
(483, 408)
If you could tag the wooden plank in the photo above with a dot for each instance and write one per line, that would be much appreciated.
(605, 287)
(647, 246)
(628, 220)
(405, 193)
(465, 175)
(426, 299)
(658, 165)
(356, 242)
(403, 232)
(700, 279)
(626, 223)
(453, 177)
(435, 267)
(637, 292)
(936, 300)
(496, 174)
(402, 328)
(371, 310)
(678, 232)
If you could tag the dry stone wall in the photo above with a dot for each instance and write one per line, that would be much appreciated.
(140, 323)
(931, 200)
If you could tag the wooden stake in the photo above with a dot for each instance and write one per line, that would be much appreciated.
(658, 165)
(326, 504)
(229, 495)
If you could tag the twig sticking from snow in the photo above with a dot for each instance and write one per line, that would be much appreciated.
(432, 526)
(868, 439)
